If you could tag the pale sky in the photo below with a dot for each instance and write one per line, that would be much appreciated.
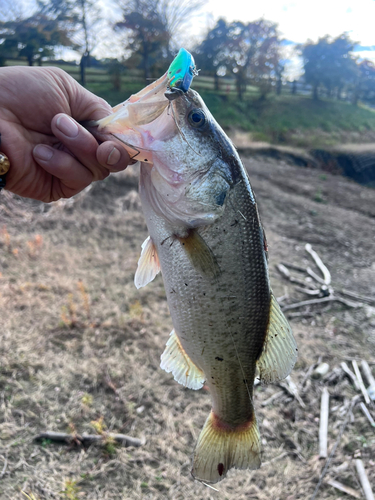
(299, 20)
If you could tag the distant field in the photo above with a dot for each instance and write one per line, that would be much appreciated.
(287, 119)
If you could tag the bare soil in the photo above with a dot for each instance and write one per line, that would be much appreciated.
(80, 347)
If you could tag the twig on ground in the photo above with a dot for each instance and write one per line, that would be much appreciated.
(5, 467)
(333, 451)
(87, 439)
(360, 382)
(323, 424)
(324, 292)
(284, 454)
(367, 371)
(317, 278)
(284, 271)
(367, 414)
(344, 488)
(364, 479)
(291, 387)
(308, 291)
(350, 374)
(331, 298)
(302, 314)
(293, 266)
(319, 263)
(272, 398)
(354, 295)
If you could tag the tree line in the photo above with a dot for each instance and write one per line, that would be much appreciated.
(251, 53)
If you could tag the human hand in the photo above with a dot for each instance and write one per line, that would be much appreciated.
(51, 155)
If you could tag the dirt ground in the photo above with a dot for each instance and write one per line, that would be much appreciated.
(80, 347)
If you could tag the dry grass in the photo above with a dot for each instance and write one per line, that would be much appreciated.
(80, 348)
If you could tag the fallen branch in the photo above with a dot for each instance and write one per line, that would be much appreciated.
(331, 298)
(360, 382)
(354, 295)
(284, 271)
(309, 291)
(367, 414)
(344, 488)
(5, 466)
(364, 479)
(306, 314)
(351, 375)
(317, 278)
(333, 451)
(319, 263)
(284, 454)
(367, 371)
(323, 424)
(87, 439)
(293, 266)
(291, 387)
(272, 398)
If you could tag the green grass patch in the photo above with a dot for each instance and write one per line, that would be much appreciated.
(278, 117)
(286, 119)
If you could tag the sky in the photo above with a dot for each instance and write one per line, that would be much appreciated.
(300, 20)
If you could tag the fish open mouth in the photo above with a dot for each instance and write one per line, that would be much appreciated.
(144, 117)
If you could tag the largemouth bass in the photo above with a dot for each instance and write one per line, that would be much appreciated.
(207, 239)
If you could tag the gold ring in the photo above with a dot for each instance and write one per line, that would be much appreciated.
(4, 164)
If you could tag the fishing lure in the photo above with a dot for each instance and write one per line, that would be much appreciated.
(180, 74)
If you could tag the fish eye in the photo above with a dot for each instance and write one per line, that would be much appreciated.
(197, 118)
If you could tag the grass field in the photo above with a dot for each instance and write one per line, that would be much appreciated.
(80, 348)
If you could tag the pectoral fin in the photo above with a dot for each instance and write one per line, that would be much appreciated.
(279, 350)
(148, 264)
(200, 254)
(174, 359)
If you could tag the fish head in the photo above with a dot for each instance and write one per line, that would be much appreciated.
(185, 155)
(192, 164)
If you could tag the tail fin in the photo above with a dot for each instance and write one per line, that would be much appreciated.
(221, 447)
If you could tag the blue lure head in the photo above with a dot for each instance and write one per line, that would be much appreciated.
(180, 74)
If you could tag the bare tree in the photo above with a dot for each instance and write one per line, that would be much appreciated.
(153, 27)
(176, 16)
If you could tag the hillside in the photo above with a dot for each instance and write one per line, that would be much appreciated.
(294, 120)
(80, 347)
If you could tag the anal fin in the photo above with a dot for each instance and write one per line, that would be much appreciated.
(279, 350)
(148, 264)
(174, 359)
(221, 447)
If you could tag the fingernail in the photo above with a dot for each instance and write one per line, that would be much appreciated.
(67, 126)
(113, 157)
(43, 152)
